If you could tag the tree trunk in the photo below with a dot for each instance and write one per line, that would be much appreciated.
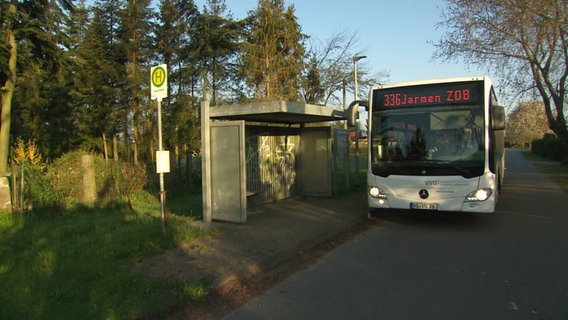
(116, 165)
(204, 74)
(7, 90)
(135, 105)
(105, 150)
(135, 133)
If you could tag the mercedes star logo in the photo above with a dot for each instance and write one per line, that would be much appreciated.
(423, 194)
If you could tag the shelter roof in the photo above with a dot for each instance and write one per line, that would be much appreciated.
(277, 112)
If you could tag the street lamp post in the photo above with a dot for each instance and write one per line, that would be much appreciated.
(356, 93)
(355, 60)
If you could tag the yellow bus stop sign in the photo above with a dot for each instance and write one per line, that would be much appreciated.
(159, 82)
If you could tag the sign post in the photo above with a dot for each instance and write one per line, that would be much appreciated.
(158, 91)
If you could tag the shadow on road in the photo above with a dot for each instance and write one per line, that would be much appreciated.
(432, 219)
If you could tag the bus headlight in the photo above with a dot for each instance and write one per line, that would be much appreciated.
(479, 195)
(375, 192)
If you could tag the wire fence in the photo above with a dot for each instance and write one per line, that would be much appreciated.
(32, 186)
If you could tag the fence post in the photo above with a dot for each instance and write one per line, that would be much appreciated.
(89, 187)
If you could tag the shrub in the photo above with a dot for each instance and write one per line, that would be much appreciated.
(66, 176)
(134, 178)
(549, 147)
(27, 153)
(36, 192)
(59, 185)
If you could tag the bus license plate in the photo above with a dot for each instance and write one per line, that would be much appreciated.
(423, 206)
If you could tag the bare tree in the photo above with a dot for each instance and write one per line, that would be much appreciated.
(523, 40)
(527, 122)
(331, 67)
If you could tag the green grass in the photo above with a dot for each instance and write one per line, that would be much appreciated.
(557, 171)
(185, 201)
(73, 264)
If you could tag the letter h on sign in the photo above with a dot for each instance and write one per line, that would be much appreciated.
(159, 82)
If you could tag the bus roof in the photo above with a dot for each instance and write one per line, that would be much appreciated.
(432, 81)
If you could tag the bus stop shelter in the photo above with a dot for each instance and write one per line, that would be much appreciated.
(263, 152)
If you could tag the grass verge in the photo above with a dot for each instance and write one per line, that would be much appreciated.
(557, 171)
(70, 265)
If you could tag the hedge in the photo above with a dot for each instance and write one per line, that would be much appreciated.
(549, 147)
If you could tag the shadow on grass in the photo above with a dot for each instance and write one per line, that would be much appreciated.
(555, 169)
(69, 264)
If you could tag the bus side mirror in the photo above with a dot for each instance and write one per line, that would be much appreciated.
(353, 111)
(498, 118)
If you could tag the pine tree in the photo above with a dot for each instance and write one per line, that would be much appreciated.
(214, 45)
(99, 77)
(273, 51)
(172, 39)
(135, 40)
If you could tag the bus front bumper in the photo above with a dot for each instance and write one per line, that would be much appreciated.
(453, 204)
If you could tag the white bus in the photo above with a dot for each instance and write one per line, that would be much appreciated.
(435, 145)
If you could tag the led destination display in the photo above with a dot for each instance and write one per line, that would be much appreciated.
(432, 95)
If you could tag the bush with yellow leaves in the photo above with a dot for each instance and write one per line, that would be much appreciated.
(27, 152)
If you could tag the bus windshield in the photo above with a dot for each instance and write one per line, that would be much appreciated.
(433, 140)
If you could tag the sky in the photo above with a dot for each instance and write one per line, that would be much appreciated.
(397, 36)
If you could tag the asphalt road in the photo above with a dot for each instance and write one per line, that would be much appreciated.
(510, 265)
